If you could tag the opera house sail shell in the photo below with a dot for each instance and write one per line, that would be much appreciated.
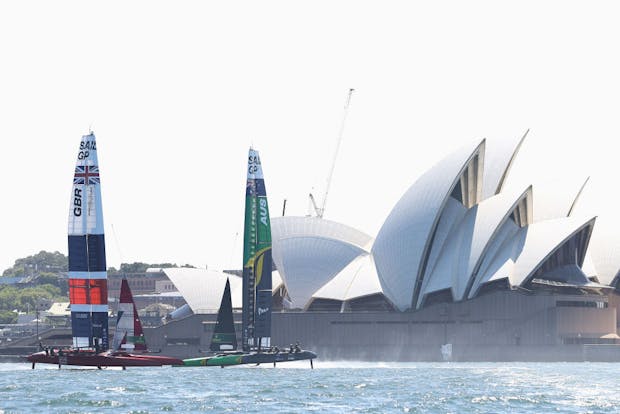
(454, 234)
(309, 252)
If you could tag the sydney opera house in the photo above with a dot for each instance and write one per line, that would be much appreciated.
(461, 260)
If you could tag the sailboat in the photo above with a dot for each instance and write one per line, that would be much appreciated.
(128, 335)
(88, 287)
(257, 290)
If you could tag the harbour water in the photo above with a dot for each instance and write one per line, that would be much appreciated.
(332, 387)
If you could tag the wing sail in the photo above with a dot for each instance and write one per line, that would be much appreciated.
(257, 259)
(88, 287)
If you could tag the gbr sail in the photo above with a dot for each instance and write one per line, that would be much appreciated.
(88, 289)
(256, 331)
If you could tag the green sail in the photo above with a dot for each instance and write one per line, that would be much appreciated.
(257, 262)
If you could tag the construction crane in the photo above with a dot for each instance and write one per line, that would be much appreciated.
(317, 210)
(320, 211)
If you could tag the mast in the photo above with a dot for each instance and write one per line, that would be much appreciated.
(88, 287)
(256, 331)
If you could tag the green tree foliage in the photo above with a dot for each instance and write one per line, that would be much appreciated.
(40, 262)
(135, 267)
(54, 279)
(8, 317)
(30, 298)
(140, 267)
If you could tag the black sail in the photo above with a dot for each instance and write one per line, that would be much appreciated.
(224, 336)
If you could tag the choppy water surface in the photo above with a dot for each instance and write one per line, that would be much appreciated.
(332, 387)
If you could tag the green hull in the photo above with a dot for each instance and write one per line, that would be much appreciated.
(215, 361)
(248, 358)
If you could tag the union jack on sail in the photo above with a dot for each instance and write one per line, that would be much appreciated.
(85, 174)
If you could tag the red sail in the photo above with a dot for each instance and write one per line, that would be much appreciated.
(129, 334)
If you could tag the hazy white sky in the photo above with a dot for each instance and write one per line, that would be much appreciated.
(176, 92)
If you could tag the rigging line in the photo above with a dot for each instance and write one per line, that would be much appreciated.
(340, 134)
(118, 247)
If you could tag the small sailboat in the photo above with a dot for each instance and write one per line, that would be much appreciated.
(128, 335)
(88, 280)
(257, 290)
(224, 339)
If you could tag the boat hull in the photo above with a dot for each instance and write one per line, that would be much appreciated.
(249, 358)
(92, 359)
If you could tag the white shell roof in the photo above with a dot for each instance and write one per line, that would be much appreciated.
(403, 240)
(202, 289)
(454, 211)
(554, 191)
(588, 265)
(498, 159)
(541, 240)
(296, 226)
(479, 227)
(307, 263)
(554, 198)
(501, 254)
(467, 244)
(358, 279)
(604, 249)
(309, 252)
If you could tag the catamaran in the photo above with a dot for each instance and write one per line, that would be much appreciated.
(88, 288)
(257, 291)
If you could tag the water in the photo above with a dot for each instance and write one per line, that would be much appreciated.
(332, 387)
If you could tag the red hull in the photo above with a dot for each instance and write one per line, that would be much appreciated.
(104, 359)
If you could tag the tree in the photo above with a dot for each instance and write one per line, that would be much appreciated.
(53, 279)
(135, 267)
(8, 317)
(140, 267)
(8, 298)
(40, 262)
(30, 298)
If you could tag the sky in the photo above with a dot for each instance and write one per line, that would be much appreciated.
(176, 93)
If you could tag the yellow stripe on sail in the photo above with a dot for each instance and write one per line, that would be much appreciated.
(259, 268)
(252, 259)
(256, 261)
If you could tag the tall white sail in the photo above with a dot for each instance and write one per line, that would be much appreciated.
(88, 290)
